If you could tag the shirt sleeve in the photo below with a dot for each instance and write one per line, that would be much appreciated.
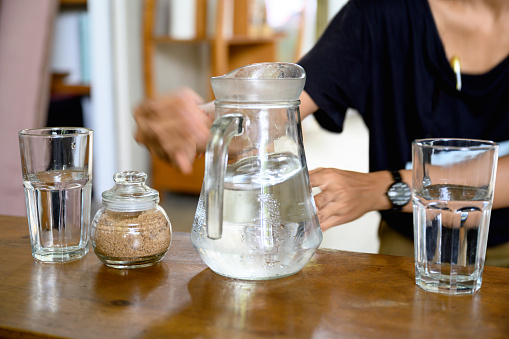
(337, 67)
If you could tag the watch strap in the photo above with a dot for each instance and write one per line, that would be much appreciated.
(396, 176)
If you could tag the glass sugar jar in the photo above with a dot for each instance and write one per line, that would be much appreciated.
(131, 230)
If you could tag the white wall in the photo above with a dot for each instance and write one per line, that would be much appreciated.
(128, 63)
(140, 159)
(334, 6)
(116, 89)
(102, 96)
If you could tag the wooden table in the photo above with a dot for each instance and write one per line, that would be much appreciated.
(338, 294)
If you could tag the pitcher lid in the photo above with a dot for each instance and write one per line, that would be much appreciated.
(261, 82)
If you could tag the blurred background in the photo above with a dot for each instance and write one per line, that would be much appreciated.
(90, 62)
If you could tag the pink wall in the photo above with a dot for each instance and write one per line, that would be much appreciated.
(26, 29)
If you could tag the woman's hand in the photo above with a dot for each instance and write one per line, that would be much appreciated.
(346, 195)
(174, 127)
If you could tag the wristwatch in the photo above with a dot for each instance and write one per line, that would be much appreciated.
(399, 193)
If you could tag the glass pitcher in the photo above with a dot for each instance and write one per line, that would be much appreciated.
(256, 218)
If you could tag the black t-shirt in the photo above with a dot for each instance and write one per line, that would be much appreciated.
(385, 59)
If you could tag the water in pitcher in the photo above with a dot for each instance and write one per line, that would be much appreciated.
(56, 201)
(268, 216)
(451, 221)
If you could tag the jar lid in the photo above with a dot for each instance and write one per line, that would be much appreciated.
(130, 194)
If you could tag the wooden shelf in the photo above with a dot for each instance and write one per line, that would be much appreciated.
(82, 90)
(251, 40)
(226, 54)
(59, 87)
(170, 40)
(236, 40)
(73, 2)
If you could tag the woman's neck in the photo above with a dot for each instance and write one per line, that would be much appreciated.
(496, 7)
(476, 31)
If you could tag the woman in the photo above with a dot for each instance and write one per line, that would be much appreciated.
(390, 60)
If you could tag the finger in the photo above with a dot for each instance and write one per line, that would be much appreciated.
(183, 163)
(328, 196)
(179, 142)
(183, 158)
(317, 177)
(320, 200)
(331, 222)
(333, 214)
(208, 109)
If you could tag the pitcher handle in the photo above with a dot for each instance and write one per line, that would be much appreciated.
(216, 157)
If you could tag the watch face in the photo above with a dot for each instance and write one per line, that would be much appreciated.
(399, 194)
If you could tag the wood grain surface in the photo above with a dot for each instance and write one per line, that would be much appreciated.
(337, 295)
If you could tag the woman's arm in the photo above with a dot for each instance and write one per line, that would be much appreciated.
(346, 196)
(501, 198)
(307, 105)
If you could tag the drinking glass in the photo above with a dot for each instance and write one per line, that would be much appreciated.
(453, 184)
(57, 178)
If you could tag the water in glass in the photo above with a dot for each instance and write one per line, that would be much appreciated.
(57, 202)
(452, 224)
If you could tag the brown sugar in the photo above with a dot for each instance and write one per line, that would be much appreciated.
(131, 235)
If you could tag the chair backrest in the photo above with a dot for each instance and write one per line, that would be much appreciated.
(26, 31)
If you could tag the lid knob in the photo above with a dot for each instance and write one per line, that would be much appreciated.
(130, 193)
